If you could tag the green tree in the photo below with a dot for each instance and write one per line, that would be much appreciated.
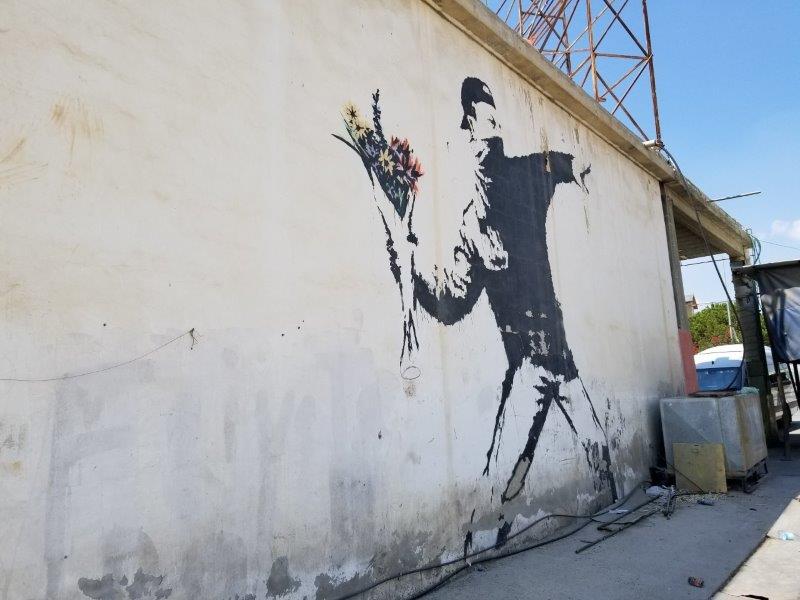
(709, 327)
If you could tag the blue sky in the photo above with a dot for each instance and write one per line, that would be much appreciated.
(727, 75)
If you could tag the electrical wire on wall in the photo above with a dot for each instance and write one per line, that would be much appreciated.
(191, 333)
(755, 245)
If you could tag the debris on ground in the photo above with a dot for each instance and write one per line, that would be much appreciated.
(786, 536)
(670, 502)
(656, 490)
(712, 497)
(696, 582)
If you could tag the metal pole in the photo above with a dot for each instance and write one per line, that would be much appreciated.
(796, 378)
(735, 196)
(652, 69)
(565, 25)
(592, 49)
(730, 327)
(786, 417)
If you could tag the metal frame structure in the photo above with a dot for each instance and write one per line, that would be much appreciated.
(597, 43)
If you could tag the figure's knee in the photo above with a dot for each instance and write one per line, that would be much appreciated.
(517, 480)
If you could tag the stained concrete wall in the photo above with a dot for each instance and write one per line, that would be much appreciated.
(171, 166)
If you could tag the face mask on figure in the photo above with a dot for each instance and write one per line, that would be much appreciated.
(479, 120)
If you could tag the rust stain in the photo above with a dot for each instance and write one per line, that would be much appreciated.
(12, 468)
(57, 115)
(14, 300)
(13, 169)
(20, 174)
(11, 154)
(8, 289)
(74, 119)
(84, 56)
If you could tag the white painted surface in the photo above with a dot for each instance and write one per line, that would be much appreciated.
(165, 166)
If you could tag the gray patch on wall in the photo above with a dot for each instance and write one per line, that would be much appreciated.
(143, 587)
(280, 582)
(213, 566)
(328, 587)
(405, 552)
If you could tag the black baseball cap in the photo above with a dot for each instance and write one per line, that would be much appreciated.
(473, 91)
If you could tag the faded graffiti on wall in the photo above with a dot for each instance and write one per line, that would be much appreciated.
(502, 252)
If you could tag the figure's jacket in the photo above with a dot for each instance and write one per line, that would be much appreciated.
(516, 193)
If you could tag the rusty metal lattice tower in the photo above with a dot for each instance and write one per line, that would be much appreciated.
(603, 45)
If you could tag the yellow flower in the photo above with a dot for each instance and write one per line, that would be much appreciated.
(360, 128)
(386, 161)
(350, 114)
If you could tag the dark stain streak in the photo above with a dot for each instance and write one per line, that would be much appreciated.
(104, 588)
(280, 582)
(403, 554)
(328, 587)
(143, 587)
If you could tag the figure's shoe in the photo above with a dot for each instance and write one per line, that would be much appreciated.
(502, 534)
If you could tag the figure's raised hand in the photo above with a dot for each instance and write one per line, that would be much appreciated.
(582, 177)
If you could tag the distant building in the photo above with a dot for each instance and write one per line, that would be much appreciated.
(691, 305)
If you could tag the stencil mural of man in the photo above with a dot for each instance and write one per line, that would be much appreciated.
(502, 252)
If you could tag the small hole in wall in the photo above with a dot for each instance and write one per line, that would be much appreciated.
(104, 324)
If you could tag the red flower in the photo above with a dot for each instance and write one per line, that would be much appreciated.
(408, 167)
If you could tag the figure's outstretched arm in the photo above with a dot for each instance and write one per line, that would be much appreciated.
(562, 170)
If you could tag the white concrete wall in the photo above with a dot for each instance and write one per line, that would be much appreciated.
(170, 165)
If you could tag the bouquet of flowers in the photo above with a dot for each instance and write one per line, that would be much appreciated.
(392, 162)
